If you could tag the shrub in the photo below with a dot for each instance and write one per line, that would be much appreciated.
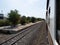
(28, 19)
(33, 19)
(23, 20)
(4, 23)
(7, 22)
(1, 23)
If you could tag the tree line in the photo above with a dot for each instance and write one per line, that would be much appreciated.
(15, 18)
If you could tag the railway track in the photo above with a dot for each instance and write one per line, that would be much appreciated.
(20, 35)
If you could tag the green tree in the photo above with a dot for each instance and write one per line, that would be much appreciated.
(39, 19)
(33, 19)
(23, 20)
(14, 17)
(28, 19)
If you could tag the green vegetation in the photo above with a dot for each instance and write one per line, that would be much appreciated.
(28, 19)
(39, 19)
(33, 19)
(4, 23)
(15, 18)
(23, 20)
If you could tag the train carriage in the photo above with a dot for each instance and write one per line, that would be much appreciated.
(53, 20)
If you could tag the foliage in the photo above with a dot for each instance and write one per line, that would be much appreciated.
(33, 19)
(14, 17)
(23, 20)
(39, 19)
(28, 19)
(4, 23)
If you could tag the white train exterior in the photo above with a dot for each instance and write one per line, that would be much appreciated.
(51, 19)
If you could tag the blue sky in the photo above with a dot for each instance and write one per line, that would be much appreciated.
(34, 8)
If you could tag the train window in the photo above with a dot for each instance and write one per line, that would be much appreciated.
(58, 21)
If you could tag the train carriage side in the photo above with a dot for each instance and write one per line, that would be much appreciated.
(51, 20)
